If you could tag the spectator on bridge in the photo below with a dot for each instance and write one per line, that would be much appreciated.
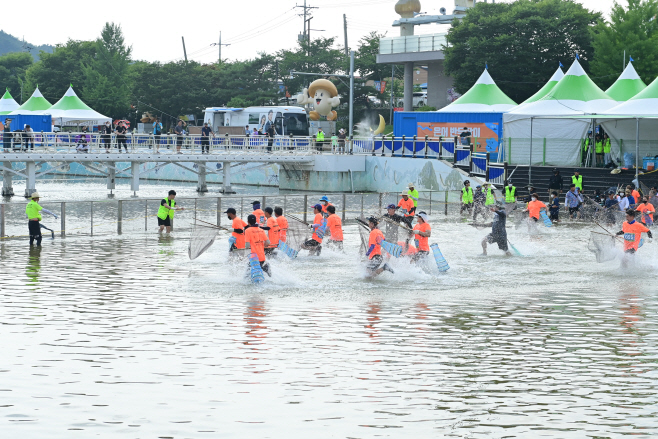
(29, 137)
(319, 139)
(465, 137)
(157, 131)
(121, 136)
(206, 131)
(342, 135)
(255, 133)
(6, 138)
(179, 130)
(106, 136)
(271, 132)
(555, 184)
(247, 131)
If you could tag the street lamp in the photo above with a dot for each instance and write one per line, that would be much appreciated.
(351, 76)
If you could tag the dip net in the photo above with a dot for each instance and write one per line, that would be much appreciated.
(203, 237)
(364, 234)
(603, 246)
(298, 233)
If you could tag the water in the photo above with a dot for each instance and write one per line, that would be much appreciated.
(123, 336)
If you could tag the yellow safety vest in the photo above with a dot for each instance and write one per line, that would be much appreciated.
(599, 147)
(163, 212)
(414, 196)
(33, 210)
(467, 195)
(606, 146)
(510, 194)
(320, 136)
(577, 181)
(490, 198)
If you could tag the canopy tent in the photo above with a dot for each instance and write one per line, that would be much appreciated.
(557, 76)
(575, 94)
(7, 103)
(37, 104)
(70, 110)
(483, 97)
(627, 85)
(643, 106)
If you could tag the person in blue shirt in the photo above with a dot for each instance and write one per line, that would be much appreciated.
(630, 198)
(573, 201)
(611, 206)
(554, 209)
(157, 131)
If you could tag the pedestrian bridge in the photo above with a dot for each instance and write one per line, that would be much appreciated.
(102, 157)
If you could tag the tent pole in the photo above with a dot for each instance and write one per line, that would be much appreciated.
(530, 159)
(637, 151)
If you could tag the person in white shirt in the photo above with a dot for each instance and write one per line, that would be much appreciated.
(623, 202)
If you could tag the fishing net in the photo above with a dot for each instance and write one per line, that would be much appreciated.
(603, 246)
(298, 233)
(364, 234)
(202, 238)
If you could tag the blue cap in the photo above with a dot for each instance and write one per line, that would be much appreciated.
(325, 199)
(391, 206)
(317, 206)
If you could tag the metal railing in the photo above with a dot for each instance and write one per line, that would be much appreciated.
(111, 216)
(412, 43)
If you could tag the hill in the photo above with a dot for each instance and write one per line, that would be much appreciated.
(9, 44)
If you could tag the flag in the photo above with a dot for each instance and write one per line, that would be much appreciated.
(577, 57)
(561, 64)
(486, 66)
(631, 58)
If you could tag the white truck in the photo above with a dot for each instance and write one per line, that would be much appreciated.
(287, 120)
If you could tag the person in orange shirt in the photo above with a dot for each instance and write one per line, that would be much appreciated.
(283, 224)
(634, 193)
(238, 229)
(406, 205)
(258, 213)
(647, 210)
(422, 231)
(534, 207)
(632, 232)
(256, 241)
(272, 230)
(374, 253)
(325, 204)
(409, 249)
(314, 245)
(334, 228)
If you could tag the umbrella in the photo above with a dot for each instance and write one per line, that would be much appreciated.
(125, 122)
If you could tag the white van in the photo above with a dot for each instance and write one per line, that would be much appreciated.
(287, 120)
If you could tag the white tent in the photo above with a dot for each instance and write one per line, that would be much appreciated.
(483, 97)
(550, 85)
(37, 104)
(627, 85)
(558, 140)
(70, 110)
(643, 107)
(7, 103)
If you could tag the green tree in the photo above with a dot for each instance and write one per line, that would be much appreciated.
(522, 42)
(57, 70)
(106, 87)
(633, 29)
(13, 68)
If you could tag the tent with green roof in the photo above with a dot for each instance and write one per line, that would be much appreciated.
(627, 85)
(483, 97)
(643, 106)
(70, 110)
(37, 104)
(7, 103)
(558, 141)
(557, 76)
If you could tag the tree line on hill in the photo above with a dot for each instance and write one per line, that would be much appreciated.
(522, 43)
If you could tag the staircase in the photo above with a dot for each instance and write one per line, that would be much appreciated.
(593, 178)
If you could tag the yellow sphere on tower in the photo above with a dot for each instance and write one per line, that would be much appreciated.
(407, 8)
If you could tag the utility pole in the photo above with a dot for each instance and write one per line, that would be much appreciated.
(220, 46)
(347, 51)
(392, 88)
(184, 51)
(307, 18)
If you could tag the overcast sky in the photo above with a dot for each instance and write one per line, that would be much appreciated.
(154, 29)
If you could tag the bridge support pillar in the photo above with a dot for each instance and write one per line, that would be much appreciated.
(134, 177)
(31, 180)
(201, 185)
(7, 182)
(111, 176)
(226, 182)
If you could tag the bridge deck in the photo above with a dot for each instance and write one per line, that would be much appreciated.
(153, 157)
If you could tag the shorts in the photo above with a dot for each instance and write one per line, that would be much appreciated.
(164, 222)
(420, 254)
(630, 251)
(534, 219)
(375, 262)
(554, 215)
(501, 241)
(269, 251)
(573, 210)
(311, 243)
